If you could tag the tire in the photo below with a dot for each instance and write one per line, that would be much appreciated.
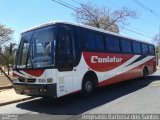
(88, 88)
(145, 73)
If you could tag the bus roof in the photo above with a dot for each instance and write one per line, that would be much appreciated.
(83, 26)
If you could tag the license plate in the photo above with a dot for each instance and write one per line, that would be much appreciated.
(26, 91)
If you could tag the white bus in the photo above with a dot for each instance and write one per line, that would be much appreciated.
(60, 58)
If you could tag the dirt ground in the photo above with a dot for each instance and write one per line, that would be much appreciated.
(4, 82)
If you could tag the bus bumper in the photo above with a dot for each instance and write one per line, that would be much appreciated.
(38, 90)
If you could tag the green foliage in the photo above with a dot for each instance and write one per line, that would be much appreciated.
(6, 59)
(5, 34)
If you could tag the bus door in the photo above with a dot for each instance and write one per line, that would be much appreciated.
(65, 59)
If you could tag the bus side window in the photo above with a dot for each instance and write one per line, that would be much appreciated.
(151, 50)
(112, 43)
(144, 49)
(136, 47)
(64, 47)
(78, 41)
(126, 46)
(99, 42)
(90, 39)
(94, 41)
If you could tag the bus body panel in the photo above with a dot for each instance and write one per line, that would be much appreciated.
(129, 67)
(39, 82)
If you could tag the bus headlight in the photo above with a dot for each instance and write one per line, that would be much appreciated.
(50, 80)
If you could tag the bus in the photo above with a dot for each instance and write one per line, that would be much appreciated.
(60, 58)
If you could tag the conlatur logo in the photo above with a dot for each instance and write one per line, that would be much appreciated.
(108, 59)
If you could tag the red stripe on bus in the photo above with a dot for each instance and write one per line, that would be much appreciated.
(36, 73)
(102, 62)
(131, 74)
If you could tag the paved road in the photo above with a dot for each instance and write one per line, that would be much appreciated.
(135, 96)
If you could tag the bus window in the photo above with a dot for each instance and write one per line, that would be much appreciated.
(136, 47)
(144, 49)
(99, 42)
(24, 50)
(64, 44)
(65, 48)
(126, 46)
(78, 44)
(42, 47)
(151, 50)
(112, 43)
(90, 40)
(94, 41)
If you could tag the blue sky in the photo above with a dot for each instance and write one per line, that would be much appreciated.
(22, 14)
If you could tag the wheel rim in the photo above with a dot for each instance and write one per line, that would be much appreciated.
(88, 86)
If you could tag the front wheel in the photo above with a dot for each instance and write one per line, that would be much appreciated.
(88, 88)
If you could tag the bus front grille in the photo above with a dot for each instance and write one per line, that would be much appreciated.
(29, 80)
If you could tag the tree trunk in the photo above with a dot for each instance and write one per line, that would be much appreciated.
(9, 78)
(8, 69)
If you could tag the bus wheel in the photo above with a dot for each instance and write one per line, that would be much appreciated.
(88, 88)
(145, 73)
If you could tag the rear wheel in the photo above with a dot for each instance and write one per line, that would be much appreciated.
(88, 87)
(145, 73)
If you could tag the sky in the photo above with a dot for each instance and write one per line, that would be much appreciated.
(22, 14)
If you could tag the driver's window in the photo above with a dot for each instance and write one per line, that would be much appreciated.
(64, 47)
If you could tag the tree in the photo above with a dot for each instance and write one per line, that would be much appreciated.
(104, 18)
(156, 40)
(5, 34)
(5, 37)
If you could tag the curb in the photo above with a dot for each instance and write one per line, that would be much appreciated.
(6, 87)
(14, 101)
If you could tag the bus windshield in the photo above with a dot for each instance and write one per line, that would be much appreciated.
(37, 50)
